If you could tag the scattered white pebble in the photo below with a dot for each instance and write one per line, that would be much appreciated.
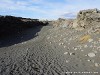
(85, 55)
(59, 43)
(48, 37)
(90, 40)
(50, 42)
(67, 61)
(27, 48)
(70, 39)
(60, 40)
(75, 49)
(88, 60)
(72, 53)
(85, 46)
(62, 43)
(23, 42)
(96, 64)
(15, 44)
(91, 54)
(66, 53)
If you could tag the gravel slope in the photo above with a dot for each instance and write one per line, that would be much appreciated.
(54, 51)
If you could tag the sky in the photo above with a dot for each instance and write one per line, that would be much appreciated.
(46, 9)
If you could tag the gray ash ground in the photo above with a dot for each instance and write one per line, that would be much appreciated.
(55, 51)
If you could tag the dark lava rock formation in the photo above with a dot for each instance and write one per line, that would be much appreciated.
(12, 25)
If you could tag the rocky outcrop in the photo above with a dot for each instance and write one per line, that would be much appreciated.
(87, 18)
(10, 24)
(66, 23)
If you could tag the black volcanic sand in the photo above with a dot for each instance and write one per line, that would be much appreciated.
(54, 51)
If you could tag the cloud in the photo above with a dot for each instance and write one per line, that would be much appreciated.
(14, 5)
(41, 6)
(46, 8)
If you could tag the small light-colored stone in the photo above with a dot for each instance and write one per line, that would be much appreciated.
(88, 60)
(59, 43)
(67, 61)
(75, 49)
(23, 42)
(64, 46)
(66, 53)
(91, 54)
(50, 42)
(90, 40)
(15, 44)
(60, 40)
(96, 64)
(72, 53)
(48, 37)
(62, 43)
(70, 39)
(85, 46)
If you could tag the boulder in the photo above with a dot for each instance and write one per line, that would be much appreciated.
(87, 18)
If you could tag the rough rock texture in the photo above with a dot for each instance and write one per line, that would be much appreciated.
(87, 18)
(11, 24)
(66, 23)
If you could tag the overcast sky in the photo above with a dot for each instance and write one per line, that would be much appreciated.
(46, 9)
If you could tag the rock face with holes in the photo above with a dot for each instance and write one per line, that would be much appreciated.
(87, 18)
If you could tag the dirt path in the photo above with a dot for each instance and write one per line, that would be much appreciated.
(54, 51)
